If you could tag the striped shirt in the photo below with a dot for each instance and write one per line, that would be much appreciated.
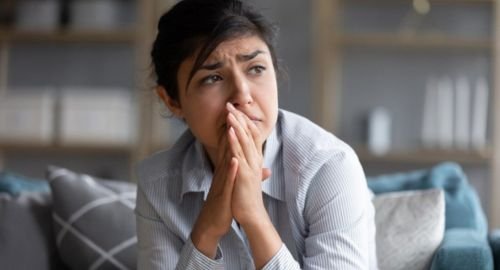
(316, 197)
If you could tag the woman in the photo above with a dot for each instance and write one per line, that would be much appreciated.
(248, 185)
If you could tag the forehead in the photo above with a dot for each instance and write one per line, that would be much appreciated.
(237, 46)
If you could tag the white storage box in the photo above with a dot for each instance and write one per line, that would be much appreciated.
(38, 15)
(96, 117)
(95, 14)
(27, 118)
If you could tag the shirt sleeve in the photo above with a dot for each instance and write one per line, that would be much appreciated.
(283, 259)
(339, 217)
(159, 248)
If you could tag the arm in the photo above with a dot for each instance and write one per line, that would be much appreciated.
(339, 215)
(159, 248)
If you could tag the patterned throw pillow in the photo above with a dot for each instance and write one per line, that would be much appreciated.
(94, 221)
(410, 228)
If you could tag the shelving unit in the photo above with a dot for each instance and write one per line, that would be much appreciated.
(330, 43)
(413, 41)
(68, 36)
(138, 38)
(426, 157)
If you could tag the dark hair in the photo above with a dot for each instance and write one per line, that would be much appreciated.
(201, 25)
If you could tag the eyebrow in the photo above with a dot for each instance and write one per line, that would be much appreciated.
(248, 57)
(239, 58)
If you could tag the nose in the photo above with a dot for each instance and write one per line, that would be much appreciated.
(241, 94)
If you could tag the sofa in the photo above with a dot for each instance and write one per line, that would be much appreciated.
(76, 221)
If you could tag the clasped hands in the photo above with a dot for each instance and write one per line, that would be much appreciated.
(235, 191)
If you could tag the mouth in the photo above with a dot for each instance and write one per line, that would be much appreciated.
(254, 118)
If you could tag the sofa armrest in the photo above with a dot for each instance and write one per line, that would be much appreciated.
(463, 249)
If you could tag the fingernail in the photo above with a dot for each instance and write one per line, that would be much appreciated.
(229, 106)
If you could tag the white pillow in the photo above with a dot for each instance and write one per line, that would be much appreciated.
(410, 228)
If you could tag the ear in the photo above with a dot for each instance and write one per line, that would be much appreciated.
(173, 105)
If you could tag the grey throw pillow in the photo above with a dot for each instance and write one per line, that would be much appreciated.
(94, 221)
(410, 228)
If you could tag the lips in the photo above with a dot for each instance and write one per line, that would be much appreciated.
(254, 118)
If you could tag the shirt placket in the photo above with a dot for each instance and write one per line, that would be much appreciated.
(246, 261)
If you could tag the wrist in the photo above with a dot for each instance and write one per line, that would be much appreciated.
(256, 219)
(205, 240)
(264, 240)
(257, 216)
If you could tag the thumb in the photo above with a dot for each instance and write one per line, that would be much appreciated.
(266, 172)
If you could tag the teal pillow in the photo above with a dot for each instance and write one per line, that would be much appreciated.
(463, 208)
(14, 184)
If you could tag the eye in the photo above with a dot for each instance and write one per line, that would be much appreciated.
(257, 70)
(211, 79)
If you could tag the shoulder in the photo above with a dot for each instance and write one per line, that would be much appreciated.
(166, 163)
(307, 147)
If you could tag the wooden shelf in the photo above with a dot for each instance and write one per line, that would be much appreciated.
(67, 36)
(53, 148)
(409, 2)
(424, 156)
(431, 41)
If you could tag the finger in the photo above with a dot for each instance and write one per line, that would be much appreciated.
(266, 173)
(245, 141)
(231, 177)
(221, 146)
(255, 132)
(235, 145)
(240, 116)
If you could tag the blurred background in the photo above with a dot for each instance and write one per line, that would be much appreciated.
(408, 84)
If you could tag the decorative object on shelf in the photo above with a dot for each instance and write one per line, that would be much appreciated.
(27, 117)
(379, 131)
(37, 15)
(95, 117)
(480, 114)
(95, 14)
(422, 7)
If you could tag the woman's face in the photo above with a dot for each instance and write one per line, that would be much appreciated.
(239, 71)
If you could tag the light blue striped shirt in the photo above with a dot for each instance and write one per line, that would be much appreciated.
(316, 197)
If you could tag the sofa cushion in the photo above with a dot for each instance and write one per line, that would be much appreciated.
(410, 228)
(26, 237)
(94, 221)
(463, 208)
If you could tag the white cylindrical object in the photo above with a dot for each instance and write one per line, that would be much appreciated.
(379, 131)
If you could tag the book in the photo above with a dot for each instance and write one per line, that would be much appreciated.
(462, 113)
(480, 114)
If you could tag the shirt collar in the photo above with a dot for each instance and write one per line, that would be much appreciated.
(196, 171)
(274, 186)
(198, 179)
